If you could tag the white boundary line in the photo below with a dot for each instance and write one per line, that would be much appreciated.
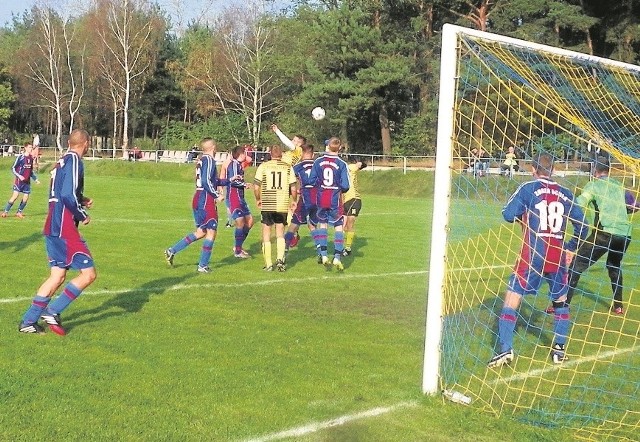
(313, 427)
(317, 426)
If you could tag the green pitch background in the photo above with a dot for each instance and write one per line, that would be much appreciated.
(168, 354)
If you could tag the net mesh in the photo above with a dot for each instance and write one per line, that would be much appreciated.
(577, 109)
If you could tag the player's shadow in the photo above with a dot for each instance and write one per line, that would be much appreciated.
(127, 302)
(21, 243)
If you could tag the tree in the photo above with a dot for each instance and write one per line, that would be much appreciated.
(6, 100)
(130, 35)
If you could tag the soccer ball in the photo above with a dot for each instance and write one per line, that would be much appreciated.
(318, 113)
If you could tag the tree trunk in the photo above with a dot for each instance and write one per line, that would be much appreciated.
(385, 130)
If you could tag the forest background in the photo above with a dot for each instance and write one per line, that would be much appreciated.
(129, 74)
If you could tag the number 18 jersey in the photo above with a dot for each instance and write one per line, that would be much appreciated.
(544, 207)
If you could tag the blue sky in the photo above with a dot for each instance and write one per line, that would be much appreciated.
(192, 8)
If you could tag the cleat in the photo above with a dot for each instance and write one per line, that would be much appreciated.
(337, 264)
(242, 254)
(558, 355)
(228, 225)
(550, 310)
(280, 265)
(501, 359)
(295, 240)
(346, 252)
(4, 214)
(204, 269)
(617, 311)
(54, 322)
(268, 268)
(325, 260)
(31, 328)
(169, 255)
(19, 215)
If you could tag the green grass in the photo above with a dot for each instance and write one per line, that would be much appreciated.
(168, 354)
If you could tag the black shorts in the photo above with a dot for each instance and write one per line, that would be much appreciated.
(271, 218)
(352, 207)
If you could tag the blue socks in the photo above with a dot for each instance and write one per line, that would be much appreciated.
(38, 304)
(205, 255)
(561, 323)
(506, 328)
(183, 243)
(22, 206)
(68, 295)
(338, 244)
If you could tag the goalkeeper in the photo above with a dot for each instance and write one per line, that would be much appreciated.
(543, 207)
(611, 233)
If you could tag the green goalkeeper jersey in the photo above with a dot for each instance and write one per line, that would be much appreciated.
(608, 198)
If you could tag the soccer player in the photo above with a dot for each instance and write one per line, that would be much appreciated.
(222, 189)
(293, 155)
(330, 175)
(235, 201)
(611, 232)
(65, 248)
(305, 211)
(205, 212)
(352, 205)
(23, 171)
(276, 194)
(543, 207)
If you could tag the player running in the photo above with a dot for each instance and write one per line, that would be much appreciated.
(23, 170)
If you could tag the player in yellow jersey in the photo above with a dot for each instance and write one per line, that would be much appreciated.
(294, 152)
(352, 205)
(275, 189)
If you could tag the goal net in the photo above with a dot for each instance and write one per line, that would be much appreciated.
(497, 93)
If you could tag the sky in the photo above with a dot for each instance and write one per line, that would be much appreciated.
(182, 11)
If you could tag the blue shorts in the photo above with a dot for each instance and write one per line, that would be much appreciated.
(305, 212)
(67, 254)
(331, 216)
(22, 188)
(206, 219)
(240, 210)
(530, 281)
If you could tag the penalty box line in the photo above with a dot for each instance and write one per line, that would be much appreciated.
(265, 282)
(318, 426)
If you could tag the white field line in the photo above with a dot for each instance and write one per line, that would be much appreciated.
(570, 363)
(317, 426)
(250, 283)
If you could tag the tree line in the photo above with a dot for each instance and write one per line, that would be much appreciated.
(123, 71)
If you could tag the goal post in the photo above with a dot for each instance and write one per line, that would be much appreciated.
(499, 95)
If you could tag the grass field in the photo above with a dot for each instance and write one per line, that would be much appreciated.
(239, 354)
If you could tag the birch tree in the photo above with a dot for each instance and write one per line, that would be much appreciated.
(129, 35)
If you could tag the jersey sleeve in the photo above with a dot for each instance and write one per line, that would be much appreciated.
(16, 166)
(285, 140)
(515, 207)
(234, 171)
(580, 227)
(70, 189)
(209, 175)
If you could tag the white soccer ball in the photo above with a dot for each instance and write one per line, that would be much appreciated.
(318, 113)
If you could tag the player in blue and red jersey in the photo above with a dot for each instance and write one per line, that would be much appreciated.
(65, 248)
(205, 211)
(543, 207)
(305, 212)
(23, 172)
(330, 175)
(235, 201)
